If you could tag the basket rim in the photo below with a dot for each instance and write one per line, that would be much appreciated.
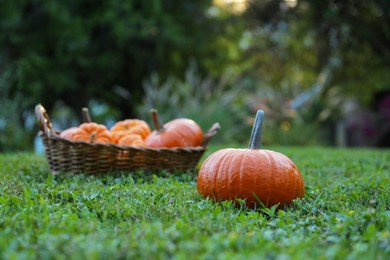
(121, 147)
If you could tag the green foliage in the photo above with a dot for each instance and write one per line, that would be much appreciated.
(344, 214)
(292, 45)
(362, 51)
(202, 99)
(76, 51)
(13, 136)
(81, 52)
(286, 123)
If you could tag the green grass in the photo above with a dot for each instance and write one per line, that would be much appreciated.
(345, 213)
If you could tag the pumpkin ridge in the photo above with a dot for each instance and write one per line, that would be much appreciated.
(209, 179)
(294, 182)
(181, 136)
(205, 178)
(279, 179)
(215, 192)
(289, 181)
(252, 161)
(281, 194)
(248, 161)
(187, 132)
(300, 188)
(211, 164)
(270, 176)
(231, 175)
(175, 137)
(241, 170)
(218, 172)
(302, 182)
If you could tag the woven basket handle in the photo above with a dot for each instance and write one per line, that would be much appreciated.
(210, 133)
(43, 120)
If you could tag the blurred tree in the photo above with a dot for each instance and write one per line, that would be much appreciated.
(316, 53)
(294, 40)
(78, 50)
(83, 50)
(357, 33)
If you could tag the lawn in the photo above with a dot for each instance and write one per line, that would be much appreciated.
(345, 213)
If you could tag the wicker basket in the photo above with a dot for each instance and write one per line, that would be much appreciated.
(93, 158)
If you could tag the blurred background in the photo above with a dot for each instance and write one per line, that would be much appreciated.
(320, 69)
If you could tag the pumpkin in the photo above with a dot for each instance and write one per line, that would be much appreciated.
(129, 139)
(116, 136)
(253, 174)
(181, 132)
(93, 133)
(132, 126)
(68, 133)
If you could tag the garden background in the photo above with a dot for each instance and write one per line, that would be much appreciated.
(319, 69)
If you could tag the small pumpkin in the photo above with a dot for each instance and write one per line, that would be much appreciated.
(93, 133)
(256, 175)
(68, 133)
(132, 126)
(181, 132)
(130, 140)
(116, 136)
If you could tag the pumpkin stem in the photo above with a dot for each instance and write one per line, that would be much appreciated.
(156, 122)
(86, 115)
(255, 139)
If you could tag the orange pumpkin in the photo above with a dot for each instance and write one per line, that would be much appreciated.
(93, 133)
(115, 136)
(131, 140)
(124, 138)
(68, 133)
(182, 132)
(258, 176)
(132, 126)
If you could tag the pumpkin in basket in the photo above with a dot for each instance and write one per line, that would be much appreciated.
(93, 133)
(258, 176)
(123, 138)
(68, 133)
(132, 126)
(181, 132)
